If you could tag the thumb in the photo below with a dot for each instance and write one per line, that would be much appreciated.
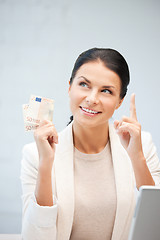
(116, 123)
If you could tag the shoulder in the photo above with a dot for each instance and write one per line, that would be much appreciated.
(30, 150)
(30, 157)
(147, 144)
(146, 138)
(30, 147)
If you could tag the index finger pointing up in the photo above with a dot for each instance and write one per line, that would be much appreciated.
(133, 114)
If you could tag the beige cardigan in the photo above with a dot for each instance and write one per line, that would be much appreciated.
(44, 222)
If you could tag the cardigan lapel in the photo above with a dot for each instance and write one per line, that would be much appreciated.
(65, 183)
(124, 185)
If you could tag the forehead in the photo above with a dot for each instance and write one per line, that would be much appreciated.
(98, 73)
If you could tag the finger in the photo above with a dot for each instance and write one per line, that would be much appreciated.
(129, 120)
(55, 135)
(53, 139)
(47, 132)
(45, 122)
(130, 128)
(133, 113)
(116, 123)
(52, 134)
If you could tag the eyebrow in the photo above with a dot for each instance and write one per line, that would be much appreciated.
(90, 82)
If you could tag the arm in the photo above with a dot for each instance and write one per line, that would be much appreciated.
(39, 206)
(45, 137)
(151, 157)
(129, 131)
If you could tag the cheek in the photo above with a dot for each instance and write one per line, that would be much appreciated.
(74, 99)
(110, 106)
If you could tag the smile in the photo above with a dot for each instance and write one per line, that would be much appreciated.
(89, 110)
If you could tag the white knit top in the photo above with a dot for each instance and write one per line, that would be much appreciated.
(95, 196)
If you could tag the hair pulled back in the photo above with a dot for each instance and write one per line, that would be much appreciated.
(111, 58)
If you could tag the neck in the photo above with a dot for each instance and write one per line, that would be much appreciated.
(90, 140)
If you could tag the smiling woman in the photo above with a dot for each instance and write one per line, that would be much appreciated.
(95, 88)
(111, 60)
(84, 187)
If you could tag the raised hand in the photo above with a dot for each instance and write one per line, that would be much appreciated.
(129, 131)
(46, 137)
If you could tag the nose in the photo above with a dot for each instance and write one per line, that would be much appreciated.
(92, 98)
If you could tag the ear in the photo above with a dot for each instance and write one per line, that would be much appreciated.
(119, 104)
(69, 87)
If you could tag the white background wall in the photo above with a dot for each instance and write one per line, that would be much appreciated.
(39, 42)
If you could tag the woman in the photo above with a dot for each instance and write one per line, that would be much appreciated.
(80, 183)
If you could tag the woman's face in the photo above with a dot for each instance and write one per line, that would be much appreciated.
(94, 94)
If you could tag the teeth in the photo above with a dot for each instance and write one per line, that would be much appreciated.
(89, 111)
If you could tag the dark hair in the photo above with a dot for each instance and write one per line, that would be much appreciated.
(111, 58)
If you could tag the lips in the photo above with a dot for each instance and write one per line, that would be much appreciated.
(90, 111)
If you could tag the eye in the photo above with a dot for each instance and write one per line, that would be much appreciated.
(83, 84)
(106, 91)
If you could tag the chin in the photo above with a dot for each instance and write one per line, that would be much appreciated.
(90, 123)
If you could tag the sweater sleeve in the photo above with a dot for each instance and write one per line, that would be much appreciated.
(151, 157)
(38, 222)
